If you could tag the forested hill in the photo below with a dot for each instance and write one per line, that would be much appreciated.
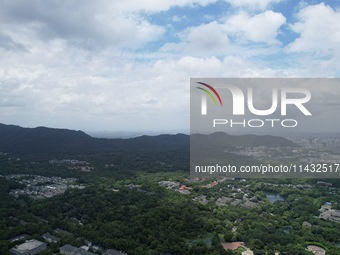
(42, 140)
(34, 140)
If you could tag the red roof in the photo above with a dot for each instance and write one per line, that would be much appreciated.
(232, 246)
(184, 187)
(210, 185)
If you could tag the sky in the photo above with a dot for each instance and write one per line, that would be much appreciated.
(126, 65)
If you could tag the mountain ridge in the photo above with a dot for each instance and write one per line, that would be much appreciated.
(43, 140)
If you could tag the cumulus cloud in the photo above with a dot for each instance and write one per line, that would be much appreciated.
(316, 46)
(207, 36)
(206, 39)
(108, 65)
(263, 27)
(213, 38)
(318, 27)
(90, 24)
(160, 5)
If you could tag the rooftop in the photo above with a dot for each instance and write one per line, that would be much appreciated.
(48, 236)
(19, 238)
(232, 246)
(68, 248)
(29, 245)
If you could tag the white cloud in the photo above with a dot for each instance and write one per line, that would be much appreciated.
(317, 47)
(318, 27)
(213, 38)
(263, 27)
(83, 66)
(253, 4)
(62, 86)
(159, 5)
(207, 36)
(92, 25)
(177, 18)
(204, 40)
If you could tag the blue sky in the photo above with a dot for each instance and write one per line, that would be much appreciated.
(126, 65)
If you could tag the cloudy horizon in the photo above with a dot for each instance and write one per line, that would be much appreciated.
(126, 65)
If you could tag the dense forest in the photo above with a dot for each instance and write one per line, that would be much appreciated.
(153, 220)
(123, 206)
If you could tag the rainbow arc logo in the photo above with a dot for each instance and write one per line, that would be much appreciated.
(213, 94)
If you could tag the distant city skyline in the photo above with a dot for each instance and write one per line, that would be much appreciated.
(126, 66)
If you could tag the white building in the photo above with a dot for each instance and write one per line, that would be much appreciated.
(30, 247)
